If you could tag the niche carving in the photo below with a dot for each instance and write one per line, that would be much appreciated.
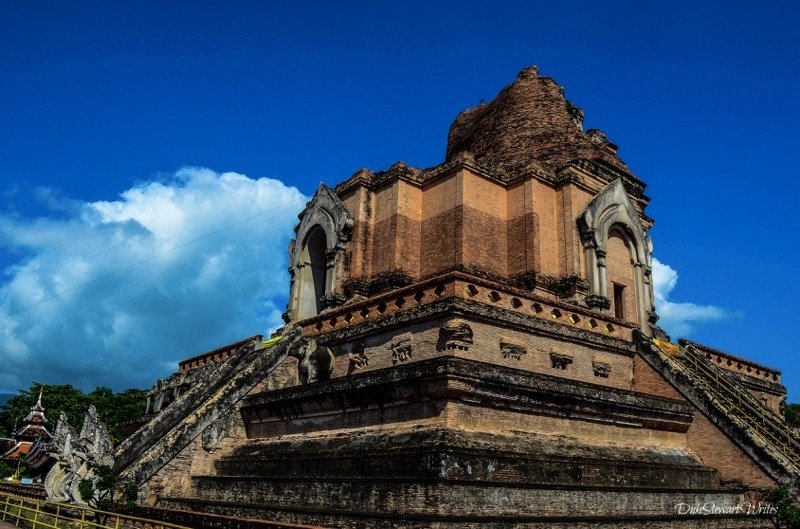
(317, 256)
(315, 361)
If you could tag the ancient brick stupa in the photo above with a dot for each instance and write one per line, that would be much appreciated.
(472, 345)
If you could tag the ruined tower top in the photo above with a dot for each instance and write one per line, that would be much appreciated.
(526, 203)
(529, 125)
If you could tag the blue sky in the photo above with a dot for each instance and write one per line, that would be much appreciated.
(153, 156)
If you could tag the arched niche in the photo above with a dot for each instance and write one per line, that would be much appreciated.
(317, 256)
(611, 214)
(311, 275)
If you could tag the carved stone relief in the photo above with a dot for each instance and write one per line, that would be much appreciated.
(357, 359)
(77, 456)
(601, 369)
(315, 361)
(512, 351)
(560, 360)
(454, 335)
(401, 349)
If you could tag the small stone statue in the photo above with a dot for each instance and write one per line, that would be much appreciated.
(316, 361)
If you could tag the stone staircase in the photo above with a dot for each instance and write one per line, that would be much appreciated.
(142, 454)
(755, 429)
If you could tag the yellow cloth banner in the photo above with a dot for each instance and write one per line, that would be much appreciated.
(669, 349)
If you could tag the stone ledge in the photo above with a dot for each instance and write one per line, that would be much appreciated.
(437, 503)
(422, 388)
(438, 454)
(482, 312)
(387, 521)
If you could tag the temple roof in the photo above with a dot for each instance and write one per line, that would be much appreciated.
(36, 415)
(529, 124)
(14, 451)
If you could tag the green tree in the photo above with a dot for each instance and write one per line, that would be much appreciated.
(792, 414)
(101, 492)
(788, 514)
(111, 407)
(6, 469)
(57, 398)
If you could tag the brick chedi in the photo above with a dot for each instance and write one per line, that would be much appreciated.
(473, 345)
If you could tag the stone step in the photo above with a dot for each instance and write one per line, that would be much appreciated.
(440, 453)
(405, 505)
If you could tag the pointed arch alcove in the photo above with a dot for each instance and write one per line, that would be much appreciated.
(617, 256)
(317, 256)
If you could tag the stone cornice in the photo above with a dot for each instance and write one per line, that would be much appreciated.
(481, 312)
(220, 354)
(609, 173)
(419, 177)
(524, 302)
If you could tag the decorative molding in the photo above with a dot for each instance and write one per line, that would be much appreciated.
(381, 283)
(612, 212)
(564, 287)
(598, 302)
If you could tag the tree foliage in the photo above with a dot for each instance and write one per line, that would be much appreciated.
(6, 469)
(792, 414)
(112, 408)
(101, 493)
(787, 515)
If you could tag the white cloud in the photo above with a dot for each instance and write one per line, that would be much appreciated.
(677, 318)
(111, 293)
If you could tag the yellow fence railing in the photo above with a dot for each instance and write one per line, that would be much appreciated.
(38, 514)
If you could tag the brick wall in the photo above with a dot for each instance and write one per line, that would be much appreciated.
(715, 449)
(491, 345)
(646, 380)
(620, 272)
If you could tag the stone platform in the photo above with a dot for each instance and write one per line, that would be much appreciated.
(421, 445)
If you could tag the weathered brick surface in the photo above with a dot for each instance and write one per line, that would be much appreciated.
(647, 380)
(529, 124)
(620, 272)
(715, 449)
(452, 454)
(440, 241)
(462, 506)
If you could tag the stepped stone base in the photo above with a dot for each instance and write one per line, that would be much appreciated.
(449, 479)
(442, 470)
